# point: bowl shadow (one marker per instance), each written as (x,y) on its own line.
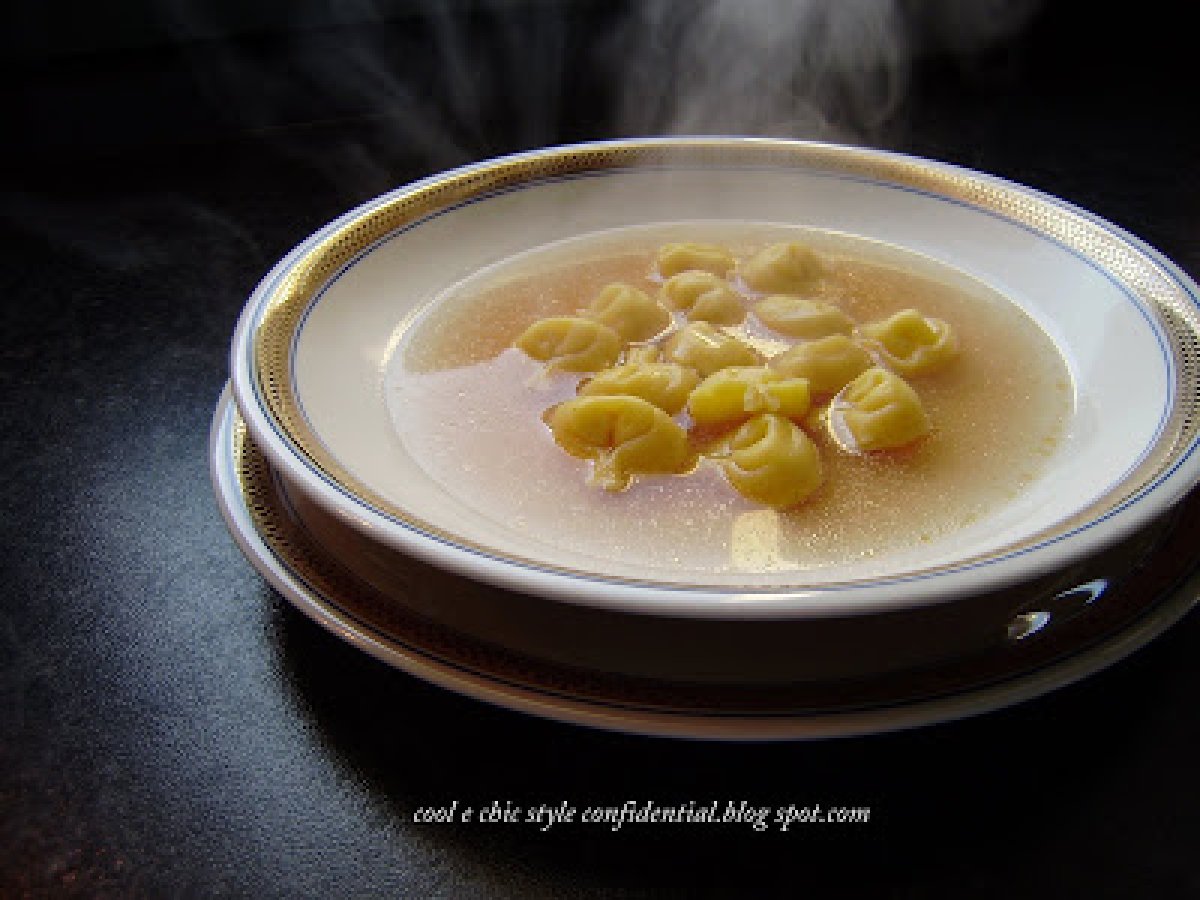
(946,802)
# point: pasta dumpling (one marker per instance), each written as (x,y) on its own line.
(829,363)
(693,257)
(878,410)
(910,343)
(571,344)
(630,312)
(669,374)
(707,349)
(666,385)
(704,297)
(731,395)
(802,317)
(623,436)
(787,268)
(772,461)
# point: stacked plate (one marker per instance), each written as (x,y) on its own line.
(375,521)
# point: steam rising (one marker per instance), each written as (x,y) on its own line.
(429,84)
(490,76)
(441,85)
(799,68)
(835,69)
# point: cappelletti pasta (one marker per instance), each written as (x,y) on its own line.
(693,257)
(571,344)
(708,349)
(628,311)
(734,394)
(802,317)
(880,411)
(654,368)
(911,343)
(704,297)
(785,268)
(623,436)
(829,363)
(666,385)
(772,461)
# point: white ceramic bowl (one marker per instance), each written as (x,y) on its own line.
(311,348)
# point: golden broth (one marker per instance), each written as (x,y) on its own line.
(468,407)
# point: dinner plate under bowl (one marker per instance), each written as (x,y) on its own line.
(1057,633)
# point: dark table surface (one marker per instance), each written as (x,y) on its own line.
(170,726)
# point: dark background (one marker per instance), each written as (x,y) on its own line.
(169,726)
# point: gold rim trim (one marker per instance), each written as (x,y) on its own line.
(1136,272)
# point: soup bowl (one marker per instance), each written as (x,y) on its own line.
(314,345)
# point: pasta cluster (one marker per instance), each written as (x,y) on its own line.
(668,381)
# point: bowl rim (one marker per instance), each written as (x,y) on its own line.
(904,591)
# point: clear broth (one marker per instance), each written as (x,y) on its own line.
(468,408)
